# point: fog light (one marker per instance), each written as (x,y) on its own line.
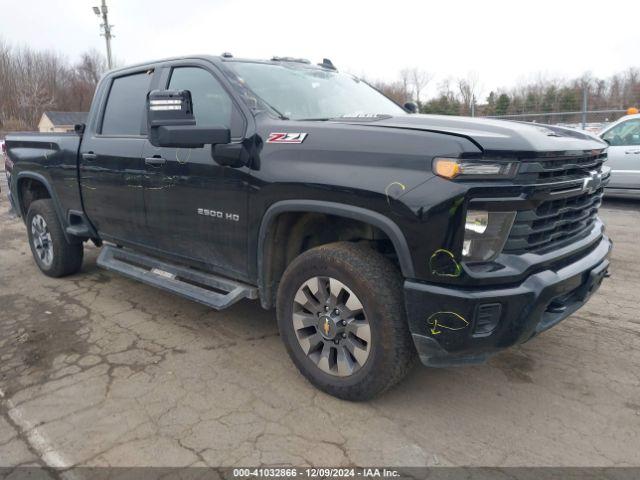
(477,221)
(485,234)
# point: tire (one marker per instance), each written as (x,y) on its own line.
(344,270)
(44,230)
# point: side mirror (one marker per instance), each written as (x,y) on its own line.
(170,122)
(411,107)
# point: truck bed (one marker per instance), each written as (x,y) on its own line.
(50,158)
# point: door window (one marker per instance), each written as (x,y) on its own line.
(625,134)
(212,106)
(126,105)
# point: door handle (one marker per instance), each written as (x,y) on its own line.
(632,152)
(155,161)
(89,156)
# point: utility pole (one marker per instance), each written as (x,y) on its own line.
(585,98)
(102,12)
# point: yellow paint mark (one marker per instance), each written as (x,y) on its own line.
(457,268)
(437,323)
(179,156)
(386,190)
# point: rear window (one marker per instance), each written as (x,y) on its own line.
(126,105)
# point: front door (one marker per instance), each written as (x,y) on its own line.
(624,154)
(111,166)
(197,209)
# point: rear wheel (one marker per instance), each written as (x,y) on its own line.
(54,255)
(341,316)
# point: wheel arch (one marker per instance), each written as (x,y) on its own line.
(363,215)
(43,182)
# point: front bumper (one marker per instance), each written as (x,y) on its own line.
(455,326)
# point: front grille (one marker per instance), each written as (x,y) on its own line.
(547,169)
(566,213)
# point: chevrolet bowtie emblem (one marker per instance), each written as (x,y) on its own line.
(326,327)
(593,182)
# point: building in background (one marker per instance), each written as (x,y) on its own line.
(60,121)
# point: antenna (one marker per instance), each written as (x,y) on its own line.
(326,63)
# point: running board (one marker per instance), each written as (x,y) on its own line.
(210,290)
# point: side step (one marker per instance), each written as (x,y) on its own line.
(210,290)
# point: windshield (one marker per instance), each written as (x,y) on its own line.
(301,93)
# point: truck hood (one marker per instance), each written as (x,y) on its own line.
(492,135)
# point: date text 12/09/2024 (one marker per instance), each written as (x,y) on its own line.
(293,472)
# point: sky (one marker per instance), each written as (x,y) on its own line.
(501,43)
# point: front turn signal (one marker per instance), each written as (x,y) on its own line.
(477,169)
(447,168)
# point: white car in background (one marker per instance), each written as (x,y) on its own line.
(623,137)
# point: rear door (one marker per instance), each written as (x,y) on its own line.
(196,209)
(111,164)
(624,154)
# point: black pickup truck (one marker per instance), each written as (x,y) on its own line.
(379,235)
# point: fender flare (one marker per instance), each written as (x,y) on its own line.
(388,226)
(54,197)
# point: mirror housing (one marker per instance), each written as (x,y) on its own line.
(411,107)
(170,122)
(169,107)
(187,136)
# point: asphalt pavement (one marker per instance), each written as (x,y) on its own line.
(99,370)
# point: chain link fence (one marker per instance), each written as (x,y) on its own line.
(591,120)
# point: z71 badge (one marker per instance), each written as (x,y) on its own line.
(286,137)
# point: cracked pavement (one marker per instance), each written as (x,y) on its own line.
(98,370)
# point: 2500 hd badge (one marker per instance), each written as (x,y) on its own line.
(234,217)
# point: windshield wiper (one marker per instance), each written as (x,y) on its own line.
(276,111)
(321,119)
(280,115)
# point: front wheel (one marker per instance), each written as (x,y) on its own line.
(54,255)
(341,316)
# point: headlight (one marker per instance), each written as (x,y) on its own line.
(485,233)
(451,168)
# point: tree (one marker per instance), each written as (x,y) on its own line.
(467,88)
(531,103)
(395,91)
(550,100)
(446,103)
(569,100)
(33,81)
(84,79)
(405,81)
(419,80)
(490,107)
(502,104)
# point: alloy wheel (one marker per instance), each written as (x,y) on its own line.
(41,238)
(331,326)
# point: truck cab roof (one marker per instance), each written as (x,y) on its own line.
(326,64)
